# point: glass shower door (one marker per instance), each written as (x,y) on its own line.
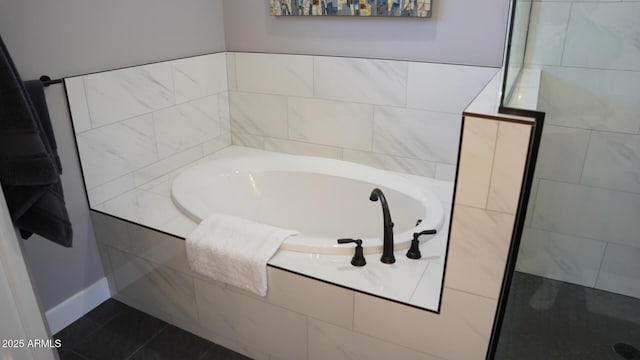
(576,290)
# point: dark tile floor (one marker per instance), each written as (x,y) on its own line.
(115,331)
(547,319)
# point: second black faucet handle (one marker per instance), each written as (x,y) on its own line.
(414,250)
(424,232)
(358,257)
(347,241)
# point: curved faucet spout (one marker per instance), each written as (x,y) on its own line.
(387,249)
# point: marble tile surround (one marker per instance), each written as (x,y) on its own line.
(138,123)
(302,318)
(153,276)
(396,115)
(588,54)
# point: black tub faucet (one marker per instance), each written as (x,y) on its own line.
(387,248)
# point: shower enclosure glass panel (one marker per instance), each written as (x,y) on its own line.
(576,292)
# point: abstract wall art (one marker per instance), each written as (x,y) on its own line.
(366,8)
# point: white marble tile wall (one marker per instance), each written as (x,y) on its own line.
(589,162)
(136,124)
(302,318)
(397,115)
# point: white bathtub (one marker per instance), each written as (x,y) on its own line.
(323,199)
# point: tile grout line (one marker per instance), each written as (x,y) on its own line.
(493,160)
(583,237)
(589,186)
(327,99)
(148,341)
(566,33)
(584,162)
(604,253)
(189,101)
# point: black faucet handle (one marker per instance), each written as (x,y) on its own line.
(358,257)
(424,232)
(348,241)
(414,250)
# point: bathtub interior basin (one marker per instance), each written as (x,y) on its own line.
(323,199)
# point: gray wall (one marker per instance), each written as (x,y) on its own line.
(459,32)
(71,37)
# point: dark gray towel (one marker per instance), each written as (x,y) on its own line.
(29,165)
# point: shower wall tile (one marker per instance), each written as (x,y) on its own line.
(533,195)
(560,257)
(258,114)
(251,321)
(614,26)
(392,163)
(379,82)
(186,125)
(122,94)
(113,188)
(476,161)
(591,99)
(156,287)
(302,148)
(463,316)
(508,167)
(613,162)
(480,240)
(584,211)
(111,151)
(78,103)
(445,88)
(562,153)
(329,342)
(620,272)
(416,134)
(332,123)
(548,27)
(275,74)
(199,76)
(316,299)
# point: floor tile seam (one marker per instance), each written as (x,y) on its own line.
(84,338)
(149,340)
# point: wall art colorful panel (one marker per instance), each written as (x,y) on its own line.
(394,8)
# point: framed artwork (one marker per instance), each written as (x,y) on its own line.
(367,8)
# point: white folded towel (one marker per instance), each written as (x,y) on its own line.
(234,250)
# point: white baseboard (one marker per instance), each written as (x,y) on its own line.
(75,307)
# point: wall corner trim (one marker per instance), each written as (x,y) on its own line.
(73,308)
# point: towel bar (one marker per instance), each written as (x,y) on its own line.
(46,80)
